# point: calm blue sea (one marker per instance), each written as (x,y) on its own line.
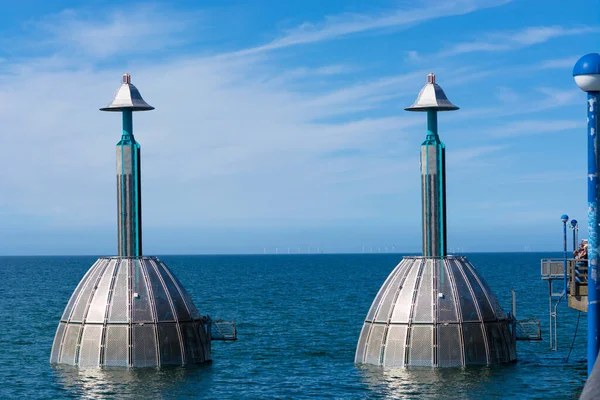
(298,316)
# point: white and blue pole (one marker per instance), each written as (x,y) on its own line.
(587,76)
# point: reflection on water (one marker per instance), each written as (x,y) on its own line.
(154,383)
(430,383)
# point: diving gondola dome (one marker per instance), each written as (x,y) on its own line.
(131,312)
(436,312)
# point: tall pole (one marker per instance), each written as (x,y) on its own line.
(587,76)
(593,261)
(564,218)
(432,99)
(128,99)
(129,202)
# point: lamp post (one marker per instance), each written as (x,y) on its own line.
(565,218)
(575,229)
(587,76)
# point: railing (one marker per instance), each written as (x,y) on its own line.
(223,330)
(528,329)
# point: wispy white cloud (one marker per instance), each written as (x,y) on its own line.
(535,127)
(125,30)
(347,24)
(505,41)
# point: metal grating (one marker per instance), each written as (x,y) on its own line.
(452,318)
(445,295)
(116,349)
(144,346)
(193,350)
(377,301)
(97,310)
(164,311)
(487,313)
(498,350)
(395,346)
(404,300)
(84,297)
(195,314)
(373,355)
(69,347)
(178,303)
(75,294)
(120,299)
(423,311)
(475,352)
(126,287)
(383,314)
(359,357)
(57,342)
(449,346)
(141,301)
(89,353)
(421,346)
(467,304)
(170,349)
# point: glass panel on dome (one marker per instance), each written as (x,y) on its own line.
(89,353)
(144,346)
(424,306)
(374,345)
(119,304)
(445,295)
(362,340)
(163,306)
(387,301)
(56,344)
(475,352)
(467,305)
(484,305)
(116,349)
(170,348)
(421,346)
(384,287)
(182,312)
(493,299)
(498,348)
(186,296)
(507,333)
(80,286)
(141,301)
(193,350)
(395,346)
(69,348)
(97,308)
(405,298)
(86,293)
(449,346)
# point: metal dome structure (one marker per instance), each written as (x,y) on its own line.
(435,310)
(131,312)
(435,313)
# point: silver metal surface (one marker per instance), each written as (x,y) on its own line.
(131,312)
(127,97)
(437,313)
(432,97)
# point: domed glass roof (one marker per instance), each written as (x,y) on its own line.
(438,313)
(131,312)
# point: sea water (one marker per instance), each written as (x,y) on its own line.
(298,320)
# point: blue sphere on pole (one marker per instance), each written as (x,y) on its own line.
(573,223)
(586,73)
(564,218)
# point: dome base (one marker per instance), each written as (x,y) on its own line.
(131,312)
(435,312)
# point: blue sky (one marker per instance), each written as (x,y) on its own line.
(281,124)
